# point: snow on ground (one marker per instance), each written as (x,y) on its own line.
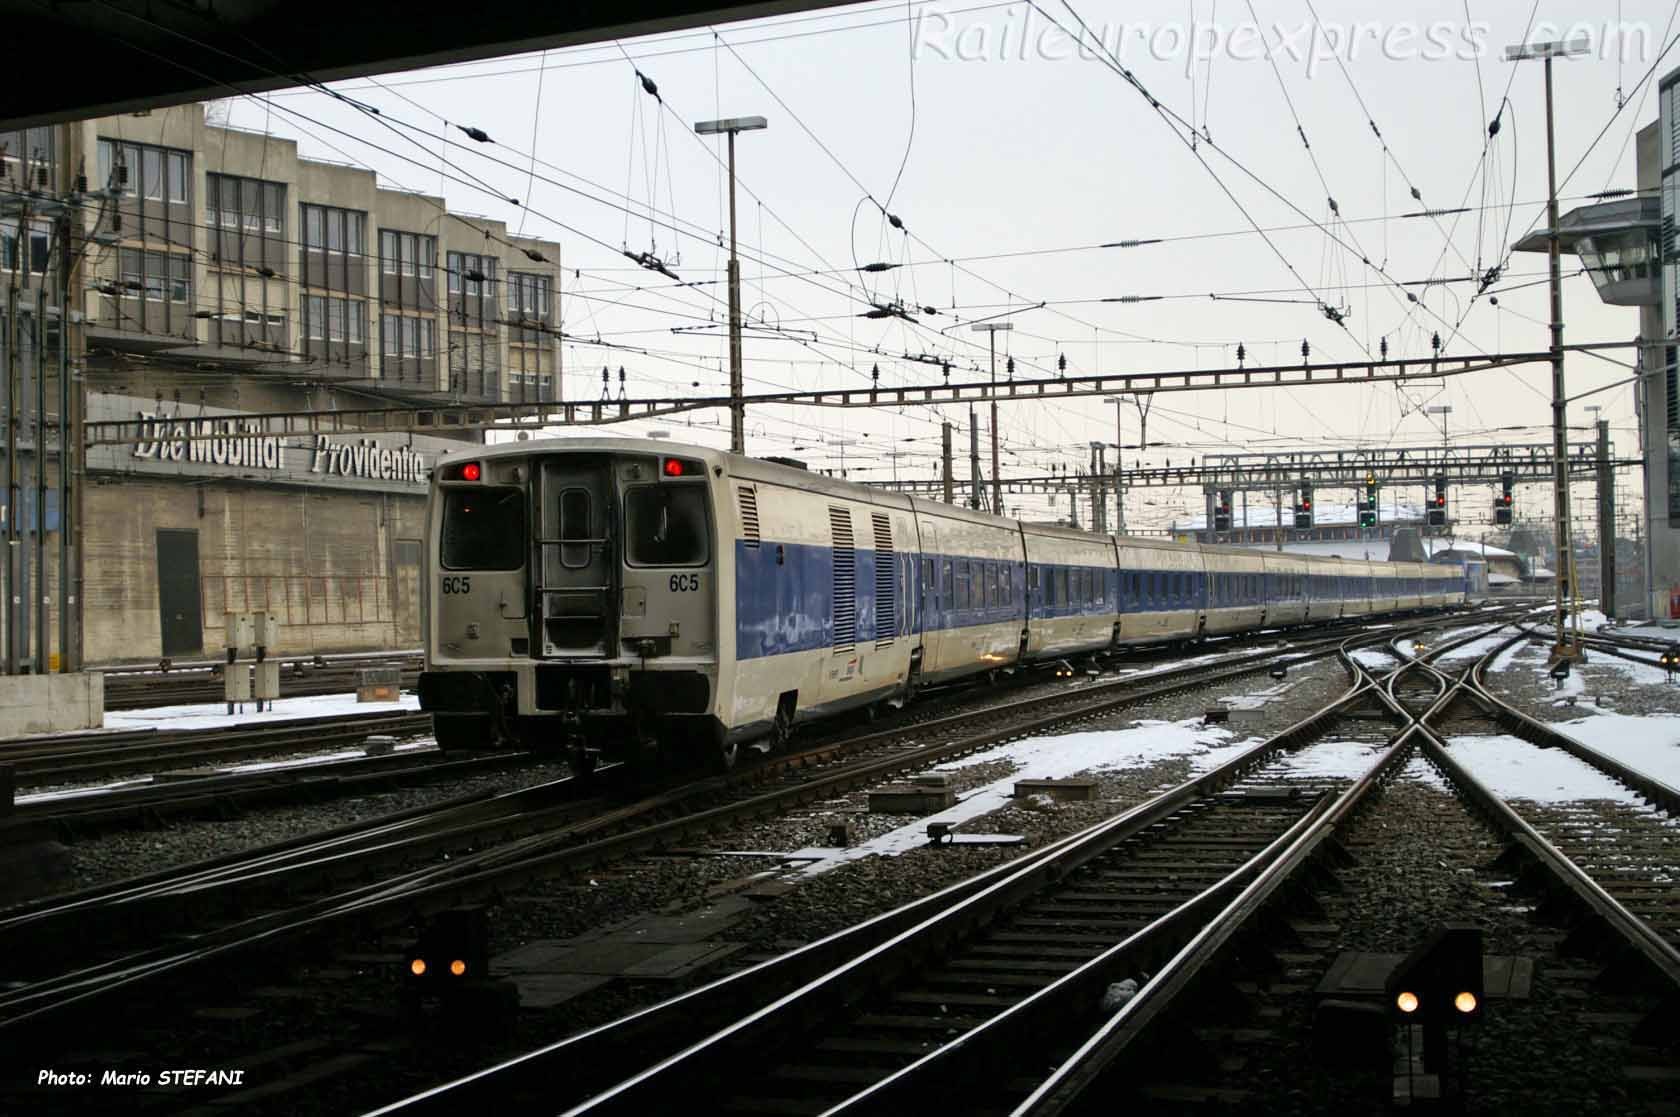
(214,715)
(1515,769)
(1254,701)
(1649,744)
(1371,657)
(1420,770)
(1503,661)
(1654,631)
(1329,760)
(1476,648)
(1043,758)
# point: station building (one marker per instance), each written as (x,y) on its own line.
(228,278)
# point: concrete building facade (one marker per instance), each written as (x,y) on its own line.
(225,276)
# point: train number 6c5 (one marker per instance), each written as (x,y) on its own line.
(462,584)
(685,583)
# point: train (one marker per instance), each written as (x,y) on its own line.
(621,598)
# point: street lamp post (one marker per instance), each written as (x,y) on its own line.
(1560,453)
(991,329)
(737,408)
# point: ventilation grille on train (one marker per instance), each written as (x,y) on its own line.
(749,515)
(886,612)
(845,579)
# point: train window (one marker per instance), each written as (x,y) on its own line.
(483,529)
(1008,586)
(949,597)
(965,599)
(1062,586)
(665,525)
(992,584)
(575,535)
(929,587)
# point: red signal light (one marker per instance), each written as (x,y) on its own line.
(471,472)
(1306,504)
(673,467)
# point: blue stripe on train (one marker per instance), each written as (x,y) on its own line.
(784,594)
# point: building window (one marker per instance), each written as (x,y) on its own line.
(157,275)
(529,294)
(326,318)
(245,203)
(151,177)
(155,173)
(388,334)
(39,251)
(406,253)
(337,231)
(177,177)
(463,266)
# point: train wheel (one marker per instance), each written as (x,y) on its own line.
(781,730)
(583,762)
(727,755)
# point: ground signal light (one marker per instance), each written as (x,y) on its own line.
(1304,508)
(1502,502)
(456,942)
(1368,506)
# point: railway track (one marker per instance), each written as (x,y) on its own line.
(920,1003)
(190,684)
(962,996)
(84,757)
(1619,866)
(300,892)
(82,812)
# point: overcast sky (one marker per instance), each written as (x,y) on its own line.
(1013,143)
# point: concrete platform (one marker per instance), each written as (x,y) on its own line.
(34,704)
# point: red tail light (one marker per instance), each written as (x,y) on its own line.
(471,471)
(673,467)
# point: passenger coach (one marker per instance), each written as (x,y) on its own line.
(622,597)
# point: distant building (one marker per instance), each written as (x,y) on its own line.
(230,276)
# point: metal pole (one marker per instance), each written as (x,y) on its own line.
(65,599)
(1560,451)
(945,462)
(11,478)
(1277,506)
(1119,467)
(39,586)
(1606,524)
(737,409)
(997,477)
(973,461)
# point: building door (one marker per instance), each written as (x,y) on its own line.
(179,602)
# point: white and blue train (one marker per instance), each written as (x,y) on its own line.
(610,595)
